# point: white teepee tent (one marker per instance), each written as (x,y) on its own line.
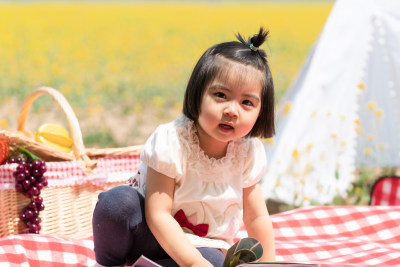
(344,108)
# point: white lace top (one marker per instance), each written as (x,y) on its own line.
(209,191)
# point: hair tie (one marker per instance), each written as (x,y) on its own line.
(253,48)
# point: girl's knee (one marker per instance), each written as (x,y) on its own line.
(119,203)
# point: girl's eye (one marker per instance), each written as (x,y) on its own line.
(220,95)
(248,103)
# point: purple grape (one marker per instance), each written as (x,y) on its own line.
(39,185)
(20,177)
(40,207)
(42,169)
(18,160)
(32,179)
(44,182)
(35,214)
(22,217)
(11,160)
(36,172)
(35,220)
(28,214)
(33,228)
(38,200)
(26,184)
(34,191)
(32,205)
(36,164)
(29,166)
(20,168)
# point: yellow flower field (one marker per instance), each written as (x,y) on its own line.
(125,65)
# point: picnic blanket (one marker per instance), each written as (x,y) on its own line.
(326,235)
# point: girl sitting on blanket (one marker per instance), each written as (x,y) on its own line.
(201,170)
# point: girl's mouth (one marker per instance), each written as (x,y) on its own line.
(225,127)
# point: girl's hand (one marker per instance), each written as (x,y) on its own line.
(257,221)
(167,231)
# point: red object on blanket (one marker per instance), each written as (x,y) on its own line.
(326,235)
(386,191)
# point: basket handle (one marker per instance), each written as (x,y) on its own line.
(73,124)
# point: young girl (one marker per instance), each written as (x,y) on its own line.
(201,170)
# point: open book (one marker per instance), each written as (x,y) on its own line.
(245,252)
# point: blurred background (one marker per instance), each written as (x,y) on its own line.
(123,66)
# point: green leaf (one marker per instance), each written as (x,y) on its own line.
(28,154)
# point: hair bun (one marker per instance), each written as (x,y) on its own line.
(258,39)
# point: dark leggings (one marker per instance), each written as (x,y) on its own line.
(121,234)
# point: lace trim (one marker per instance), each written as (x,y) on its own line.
(235,154)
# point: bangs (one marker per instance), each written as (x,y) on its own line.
(236,72)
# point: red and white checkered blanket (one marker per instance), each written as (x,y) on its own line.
(329,236)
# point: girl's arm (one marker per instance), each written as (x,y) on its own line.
(257,221)
(158,205)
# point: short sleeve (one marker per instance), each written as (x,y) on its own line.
(255,164)
(162,151)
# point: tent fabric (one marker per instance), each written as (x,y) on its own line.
(343,109)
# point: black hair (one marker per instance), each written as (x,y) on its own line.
(243,52)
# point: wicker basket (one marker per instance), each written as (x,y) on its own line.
(68,208)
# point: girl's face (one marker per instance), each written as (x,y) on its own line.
(230,106)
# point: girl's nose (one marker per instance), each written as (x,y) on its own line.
(231,110)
